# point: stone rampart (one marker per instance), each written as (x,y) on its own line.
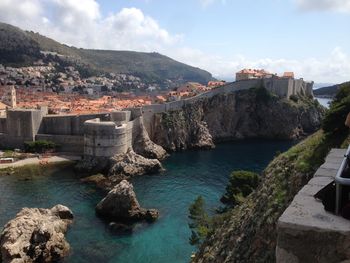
(306,231)
(67,143)
(3,128)
(105,138)
(68,124)
(283,88)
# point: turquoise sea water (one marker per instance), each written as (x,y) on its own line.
(187,175)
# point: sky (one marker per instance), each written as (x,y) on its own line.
(309,37)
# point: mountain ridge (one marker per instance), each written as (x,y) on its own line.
(23,48)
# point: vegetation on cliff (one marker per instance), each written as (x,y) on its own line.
(248,233)
(241,184)
(200,221)
(253,113)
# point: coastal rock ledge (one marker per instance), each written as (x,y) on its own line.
(121,205)
(120,167)
(36,235)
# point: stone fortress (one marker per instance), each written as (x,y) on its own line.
(107,134)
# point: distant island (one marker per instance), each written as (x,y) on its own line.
(329,91)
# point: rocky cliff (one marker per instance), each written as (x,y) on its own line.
(248,233)
(253,113)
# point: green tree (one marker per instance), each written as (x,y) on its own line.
(200,221)
(240,185)
(333,123)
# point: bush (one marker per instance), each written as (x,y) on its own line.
(200,221)
(40,146)
(334,121)
(241,184)
(262,94)
(294,98)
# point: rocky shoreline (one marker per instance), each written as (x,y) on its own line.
(36,235)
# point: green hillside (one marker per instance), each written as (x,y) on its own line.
(18,47)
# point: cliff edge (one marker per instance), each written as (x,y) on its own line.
(248,233)
(253,113)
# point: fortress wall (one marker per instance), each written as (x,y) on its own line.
(135,112)
(67,143)
(104,139)
(280,87)
(21,126)
(68,124)
(129,133)
(3,128)
(120,117)
(148,115)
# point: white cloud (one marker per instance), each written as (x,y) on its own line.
(324,5)
(333,69)
(24,10)
(80,23)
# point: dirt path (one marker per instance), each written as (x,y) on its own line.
(42,160)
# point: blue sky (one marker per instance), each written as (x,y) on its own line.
(310,37)
(273,28)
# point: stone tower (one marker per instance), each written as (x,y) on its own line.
(10,97)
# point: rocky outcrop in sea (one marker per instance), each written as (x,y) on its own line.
(120,205)
(253,113)
(120,167)
(36,235)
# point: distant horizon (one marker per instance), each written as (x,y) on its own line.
(220,36)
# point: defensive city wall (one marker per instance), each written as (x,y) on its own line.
(283,88)
(106,134)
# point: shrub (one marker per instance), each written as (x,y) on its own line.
(39,146)
(334,121)
(200,221)
(241,184)
(262,94)
(294,98)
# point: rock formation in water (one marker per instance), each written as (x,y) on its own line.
(121,205)
(125,166)
(120,167)
(253,113)
(36,235)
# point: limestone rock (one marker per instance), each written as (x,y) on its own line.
(121,205)
(36,235)
(232,116)
(143,145)
(99,180)
(92,165)
(125,166)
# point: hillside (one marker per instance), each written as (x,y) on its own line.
(18,48)
(329,91)
(247,233)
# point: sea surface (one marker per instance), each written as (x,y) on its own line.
(188,174)
(324,101)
